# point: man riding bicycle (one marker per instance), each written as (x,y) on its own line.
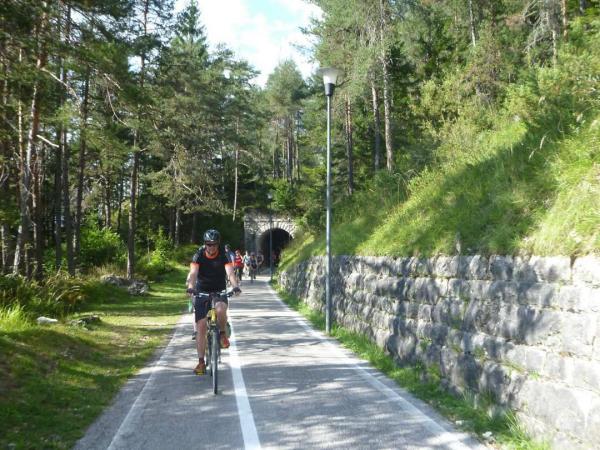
(207,274)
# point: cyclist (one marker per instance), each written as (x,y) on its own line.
(260,259)
(238,264)
(229,253)
(207,274)
(252,266)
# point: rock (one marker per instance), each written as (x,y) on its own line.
(114,280)
(85,321)
(138,287)
(487,436)
(46,320)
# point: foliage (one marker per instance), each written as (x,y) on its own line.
(99,246)
(56,380)
(56,296)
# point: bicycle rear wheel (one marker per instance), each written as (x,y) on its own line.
(214,363)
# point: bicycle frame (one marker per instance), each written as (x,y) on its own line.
(213,346)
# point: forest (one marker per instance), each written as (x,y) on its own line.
(123,135)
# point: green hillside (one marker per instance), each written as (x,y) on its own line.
(520,179)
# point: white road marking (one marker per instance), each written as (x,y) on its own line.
(443,436)
(126,428)
(251,441)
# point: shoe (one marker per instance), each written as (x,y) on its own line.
(200,368)
(224,340)
(194,335)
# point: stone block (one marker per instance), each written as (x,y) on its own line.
(425,313)
(586,270)
(422,267)
(466,373)
(478,290)
(505,291)
(536,325)
(501,267)
(578,298)
(578,333)
(581,373)
(428,290)
(446,266)
(474,267)
(555,404)
(537,294)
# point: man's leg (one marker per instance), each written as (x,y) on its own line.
(221,308)
(201,346)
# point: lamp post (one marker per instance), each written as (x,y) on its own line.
(270,197)
(330,76)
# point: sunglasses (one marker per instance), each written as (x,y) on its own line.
(208,244)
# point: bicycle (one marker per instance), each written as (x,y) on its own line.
(252,273)
(213,341)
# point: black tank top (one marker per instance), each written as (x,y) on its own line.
(211,271)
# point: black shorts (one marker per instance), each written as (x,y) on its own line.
(203,304)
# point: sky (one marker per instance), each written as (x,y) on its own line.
(263,32)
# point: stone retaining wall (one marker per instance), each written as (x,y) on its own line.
(525,330)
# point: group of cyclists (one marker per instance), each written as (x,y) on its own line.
(211,269)
(250,263)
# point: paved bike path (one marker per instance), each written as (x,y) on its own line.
(302,390)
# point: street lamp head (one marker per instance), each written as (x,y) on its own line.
(330,76)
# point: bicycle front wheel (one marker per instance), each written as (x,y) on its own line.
(215,360)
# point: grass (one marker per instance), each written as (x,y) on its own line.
(56,379)
(476,415)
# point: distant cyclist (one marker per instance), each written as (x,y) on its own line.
(260,259)
(252,266)
(238,264)
(207,274)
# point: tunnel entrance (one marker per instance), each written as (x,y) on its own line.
(281,239)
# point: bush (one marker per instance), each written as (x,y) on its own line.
(57,295)
(99,246)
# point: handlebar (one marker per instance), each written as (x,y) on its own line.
(230,293)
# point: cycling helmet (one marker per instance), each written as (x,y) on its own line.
(212,236)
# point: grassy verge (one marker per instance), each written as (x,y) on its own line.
(474,415)
(56,379)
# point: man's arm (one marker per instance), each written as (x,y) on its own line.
(192,276)
(232,278)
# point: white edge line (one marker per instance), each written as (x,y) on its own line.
(126,425)
(427,422)
(249,433)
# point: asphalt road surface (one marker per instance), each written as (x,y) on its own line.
(282,385)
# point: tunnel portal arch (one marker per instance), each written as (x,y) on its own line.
(257,232)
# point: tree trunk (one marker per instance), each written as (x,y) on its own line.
(132,200)
(194,233)
(23,230)
(472,24)
(275,147)
(565,18)
(81,168)
(387,108)
(177,238)
(68,220)
(26,163)
(58,205)
(136,163)
(5,171)
(235,180)
(349,145)
(582,6)
(377,127)
(38,212)
(289,148)
(5,238)
(121,195)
